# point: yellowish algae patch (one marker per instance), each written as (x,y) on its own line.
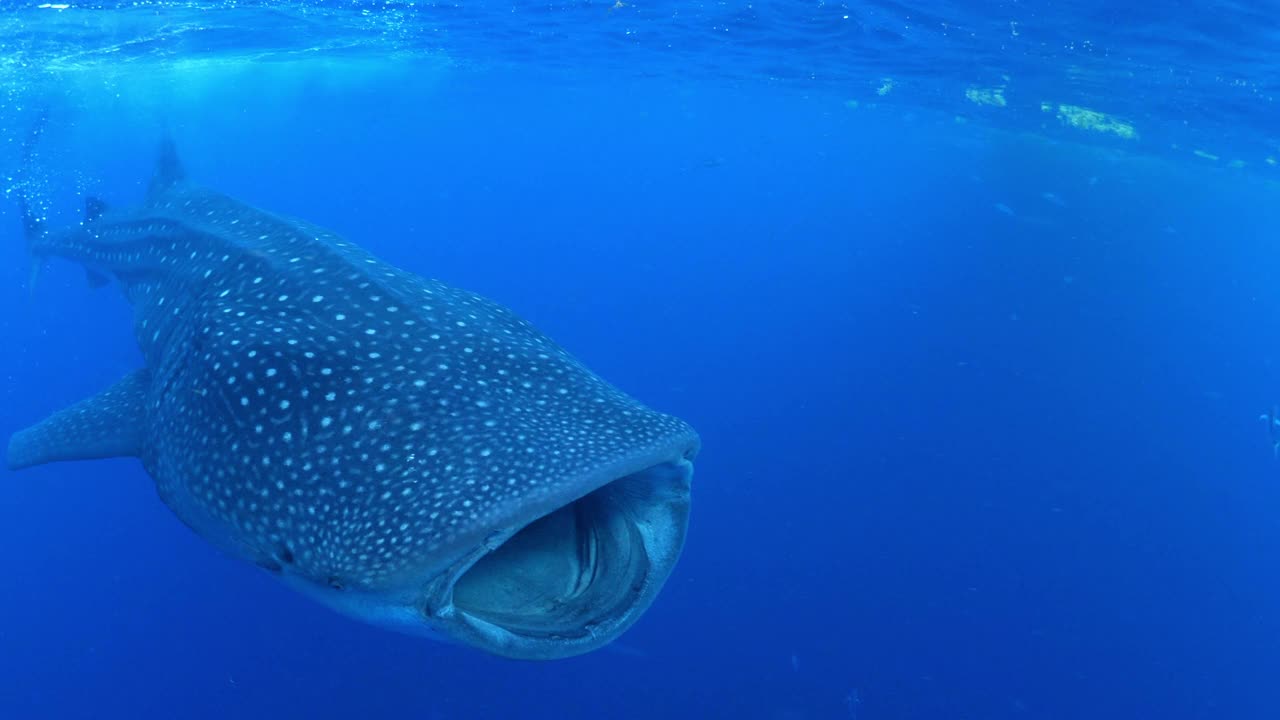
(1205,155)
(986,96)
(1086,119)
(885,86)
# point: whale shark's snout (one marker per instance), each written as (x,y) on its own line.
(549,579)
(568,581)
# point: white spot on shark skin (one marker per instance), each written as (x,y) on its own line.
(345,423)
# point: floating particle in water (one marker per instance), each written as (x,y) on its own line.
(1272,419)
(852,701)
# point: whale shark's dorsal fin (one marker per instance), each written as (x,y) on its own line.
(109,424)
(168,170)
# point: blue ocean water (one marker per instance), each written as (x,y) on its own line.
(972,307)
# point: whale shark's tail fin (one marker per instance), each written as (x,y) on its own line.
(168,170)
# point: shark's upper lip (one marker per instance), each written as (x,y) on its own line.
(566,580)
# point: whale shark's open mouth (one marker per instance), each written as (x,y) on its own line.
(577,577)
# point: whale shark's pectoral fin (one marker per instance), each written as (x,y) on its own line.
(109,424)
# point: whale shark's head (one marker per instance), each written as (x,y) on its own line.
(409,453)
(572,579)
(551,579)
(459,475)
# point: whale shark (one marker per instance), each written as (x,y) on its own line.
(405,452)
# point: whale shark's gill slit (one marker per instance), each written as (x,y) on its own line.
(182,365)
(170,378)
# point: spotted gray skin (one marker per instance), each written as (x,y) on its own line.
(409,453)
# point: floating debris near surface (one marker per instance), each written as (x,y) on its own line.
(986,96)
(1087,119)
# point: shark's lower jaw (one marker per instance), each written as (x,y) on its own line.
(574,579)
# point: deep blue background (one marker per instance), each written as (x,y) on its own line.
(958,463)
